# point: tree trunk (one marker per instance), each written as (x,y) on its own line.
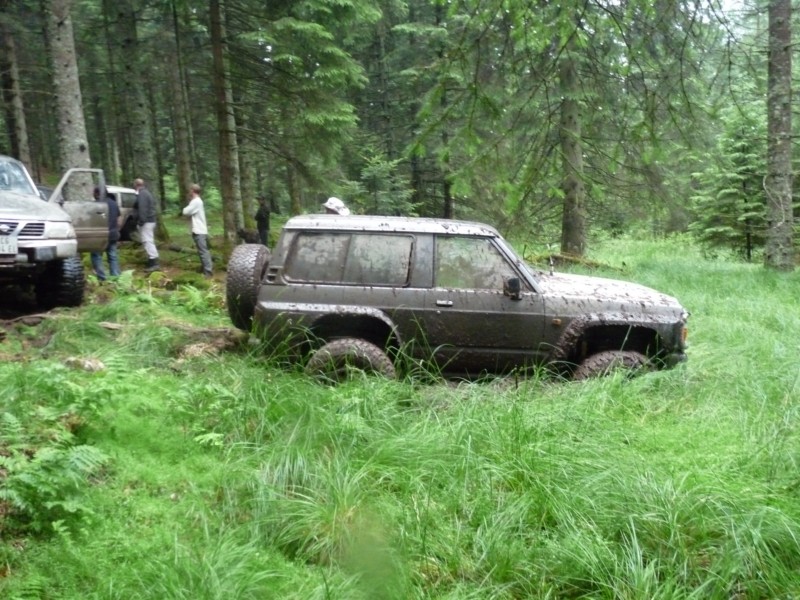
(385,90)
(180,112)
(138,114)
(778,253)
(448,209)
(226,121)
(247,169)
(119,167)
(248,179)
(73,145)
(573,224)
(152,122)
(295,204)
(18,129)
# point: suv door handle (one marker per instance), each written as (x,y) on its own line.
(444,303)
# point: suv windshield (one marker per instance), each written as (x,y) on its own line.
(14,179)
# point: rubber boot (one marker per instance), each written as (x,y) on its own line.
(152,265)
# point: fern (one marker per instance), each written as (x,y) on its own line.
(42,472)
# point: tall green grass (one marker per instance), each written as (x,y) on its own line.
(229,477)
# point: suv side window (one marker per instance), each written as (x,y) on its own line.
(354,258)
(470,263)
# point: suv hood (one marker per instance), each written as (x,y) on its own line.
(611,293)
(14,205)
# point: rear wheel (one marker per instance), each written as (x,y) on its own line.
(246,267)
(609,361)
(62,283)
(334,361)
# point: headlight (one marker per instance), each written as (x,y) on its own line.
(59,231)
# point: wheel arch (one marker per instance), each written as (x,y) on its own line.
(371,325)
(587,336)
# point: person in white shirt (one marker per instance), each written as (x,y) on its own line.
(197,212)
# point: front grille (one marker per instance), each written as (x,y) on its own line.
(29,230)
(32,230)
(10,226)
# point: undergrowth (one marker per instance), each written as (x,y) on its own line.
(224,473)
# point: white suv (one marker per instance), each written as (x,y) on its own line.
(40,240)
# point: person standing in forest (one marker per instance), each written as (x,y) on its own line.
(146,214)
(262,220)
(113,238)
(196,211)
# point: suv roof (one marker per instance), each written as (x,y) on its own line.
(118,188)
(389,224)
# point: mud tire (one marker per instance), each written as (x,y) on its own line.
(246,268)
(333,361)
(609,361)
(62,283)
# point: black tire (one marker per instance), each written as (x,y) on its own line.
(605,363)
(246,268)
(333,361)
(62,283)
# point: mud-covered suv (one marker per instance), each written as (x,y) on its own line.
(365,290)
(40,239)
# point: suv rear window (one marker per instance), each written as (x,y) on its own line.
(350,258)
(127,200)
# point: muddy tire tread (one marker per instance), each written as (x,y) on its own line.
(330,361)
(603,363)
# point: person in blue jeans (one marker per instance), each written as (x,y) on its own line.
(113,238)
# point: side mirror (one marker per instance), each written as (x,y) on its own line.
(512,288)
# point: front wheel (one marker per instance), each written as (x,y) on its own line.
(62,283)
(609,361)
(333,361)
(246,267)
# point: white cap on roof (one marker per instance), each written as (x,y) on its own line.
(336,206)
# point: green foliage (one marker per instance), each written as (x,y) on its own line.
(380,188)
(235,477)
(730,202)
(43,469)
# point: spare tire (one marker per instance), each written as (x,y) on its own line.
(246,268)
(62,283)
(333,361)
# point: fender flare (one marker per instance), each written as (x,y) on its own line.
(574,331)
(347,310)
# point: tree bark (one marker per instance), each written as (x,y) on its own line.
(573,224)
(138,114)
(226,121)
(73,145)
(119,168)
(778,252)
(18,129)
(295,204)
(448,205)
(180,111)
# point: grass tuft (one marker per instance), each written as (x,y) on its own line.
(232,475)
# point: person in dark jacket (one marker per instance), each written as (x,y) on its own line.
(113,238)
(262,220)
(147,212)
